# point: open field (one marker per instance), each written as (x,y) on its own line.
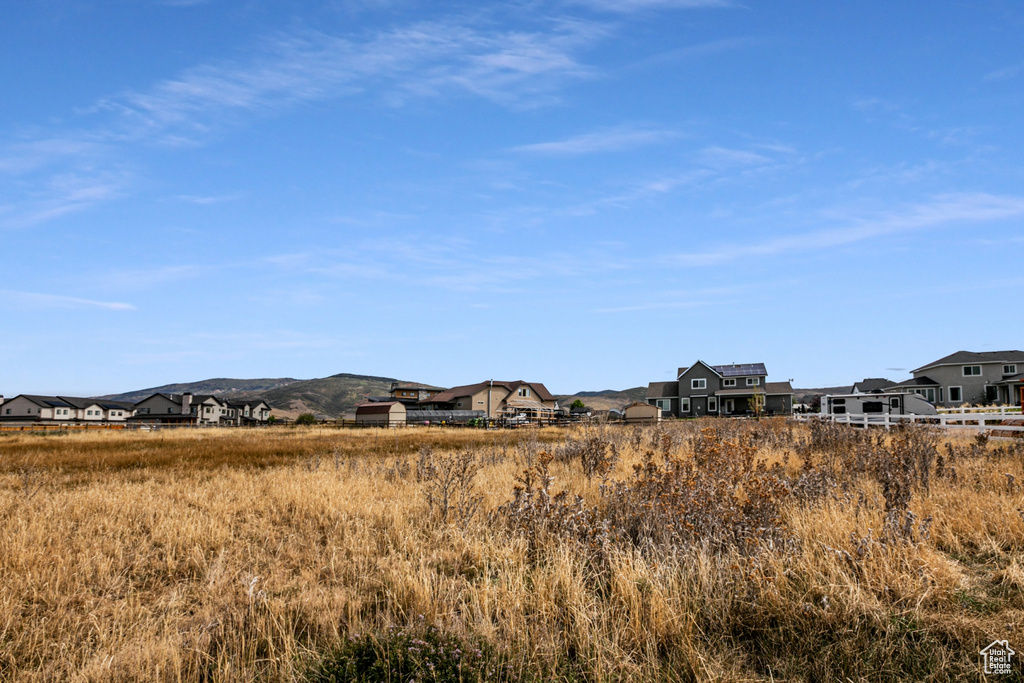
(702,550)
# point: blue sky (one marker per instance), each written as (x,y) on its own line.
(586,193)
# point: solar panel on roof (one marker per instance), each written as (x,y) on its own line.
(741,369)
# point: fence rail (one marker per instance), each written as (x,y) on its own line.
(988,410)
(992,422)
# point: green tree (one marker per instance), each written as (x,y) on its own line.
(305,419)
(577,404)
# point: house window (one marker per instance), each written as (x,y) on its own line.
(955,394)
(972,370)
(698,383)
(1009,369)
(524,391)
(8,412)
(712,405)
(684,405)
(753,381)
(663,404)
(728,382)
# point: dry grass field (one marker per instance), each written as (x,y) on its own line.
(707,550)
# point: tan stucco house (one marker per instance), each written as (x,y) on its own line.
(498,400)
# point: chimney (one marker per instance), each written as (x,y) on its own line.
(186,403)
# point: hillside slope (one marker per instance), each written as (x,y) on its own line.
(605,400)
(217,387)
(331,396)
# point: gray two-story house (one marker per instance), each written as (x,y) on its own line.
(969,377)
(737,389)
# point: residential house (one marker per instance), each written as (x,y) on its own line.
(247,413)
(410,393)
(34,408)
(498,400)
(181,408)
(974,377)
(736,389)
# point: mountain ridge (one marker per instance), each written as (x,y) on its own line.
(335,395)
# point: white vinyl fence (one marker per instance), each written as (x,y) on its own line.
(991,421)
(1000,410)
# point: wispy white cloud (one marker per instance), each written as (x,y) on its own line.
(710,164)
(611,140)
(625,6)
(427,59)
(24,157)
(695,51)
(207,200)
(1005,73)
(39,300)
(943,211)
(59,195)
(721,157)
(145,278)
(458,57)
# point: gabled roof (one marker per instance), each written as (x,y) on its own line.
(43,401)
(699,362)
(449,395)
(964,357)
(177,398)
(731,370)
(74,402)
(778,388)
(869,384)
(663,390)
(376,408)
(923,381)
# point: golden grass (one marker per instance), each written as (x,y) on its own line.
(247,555)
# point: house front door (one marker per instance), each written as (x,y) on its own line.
(730,406)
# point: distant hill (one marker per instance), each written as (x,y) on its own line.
(337,395)
(217,387)
(605,400)
(331,396)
